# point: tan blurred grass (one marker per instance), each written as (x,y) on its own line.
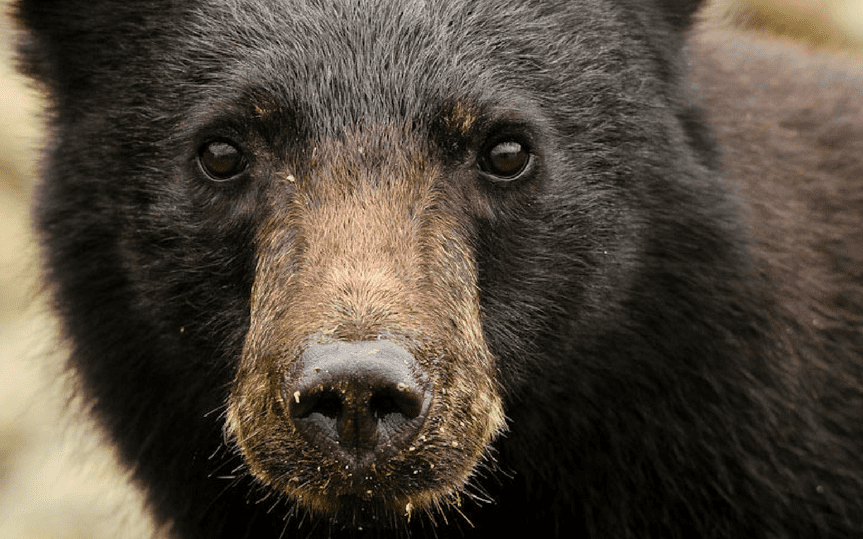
(835,24)
(57,481)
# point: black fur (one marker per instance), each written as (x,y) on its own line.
(676,361)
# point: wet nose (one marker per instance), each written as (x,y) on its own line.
(360,400)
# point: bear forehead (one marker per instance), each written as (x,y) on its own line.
(352,61)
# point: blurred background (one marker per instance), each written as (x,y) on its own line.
(57,479)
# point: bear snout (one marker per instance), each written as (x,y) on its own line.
(362,401)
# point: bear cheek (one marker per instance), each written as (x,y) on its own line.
(340,325)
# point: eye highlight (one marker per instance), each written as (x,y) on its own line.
(222,160)
(505,160)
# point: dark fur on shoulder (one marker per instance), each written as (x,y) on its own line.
(652,328)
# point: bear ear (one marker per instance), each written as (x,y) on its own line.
(33,14)
(44,23)
(680,12)
(61,16)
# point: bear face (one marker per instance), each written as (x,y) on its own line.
(431,269)
(358,249)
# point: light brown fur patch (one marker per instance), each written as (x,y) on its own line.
(363,246)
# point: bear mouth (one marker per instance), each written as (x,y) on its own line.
(366,431)
(357,513)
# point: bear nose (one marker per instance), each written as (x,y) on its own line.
(361,400)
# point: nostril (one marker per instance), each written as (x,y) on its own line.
(318,412)
(394,410)
(399,400)
(360,400)
(325,403)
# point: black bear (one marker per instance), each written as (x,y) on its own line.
(456,268)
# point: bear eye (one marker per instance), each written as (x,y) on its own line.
(222,160)
(505,160)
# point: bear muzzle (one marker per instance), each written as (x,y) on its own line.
(361,401)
